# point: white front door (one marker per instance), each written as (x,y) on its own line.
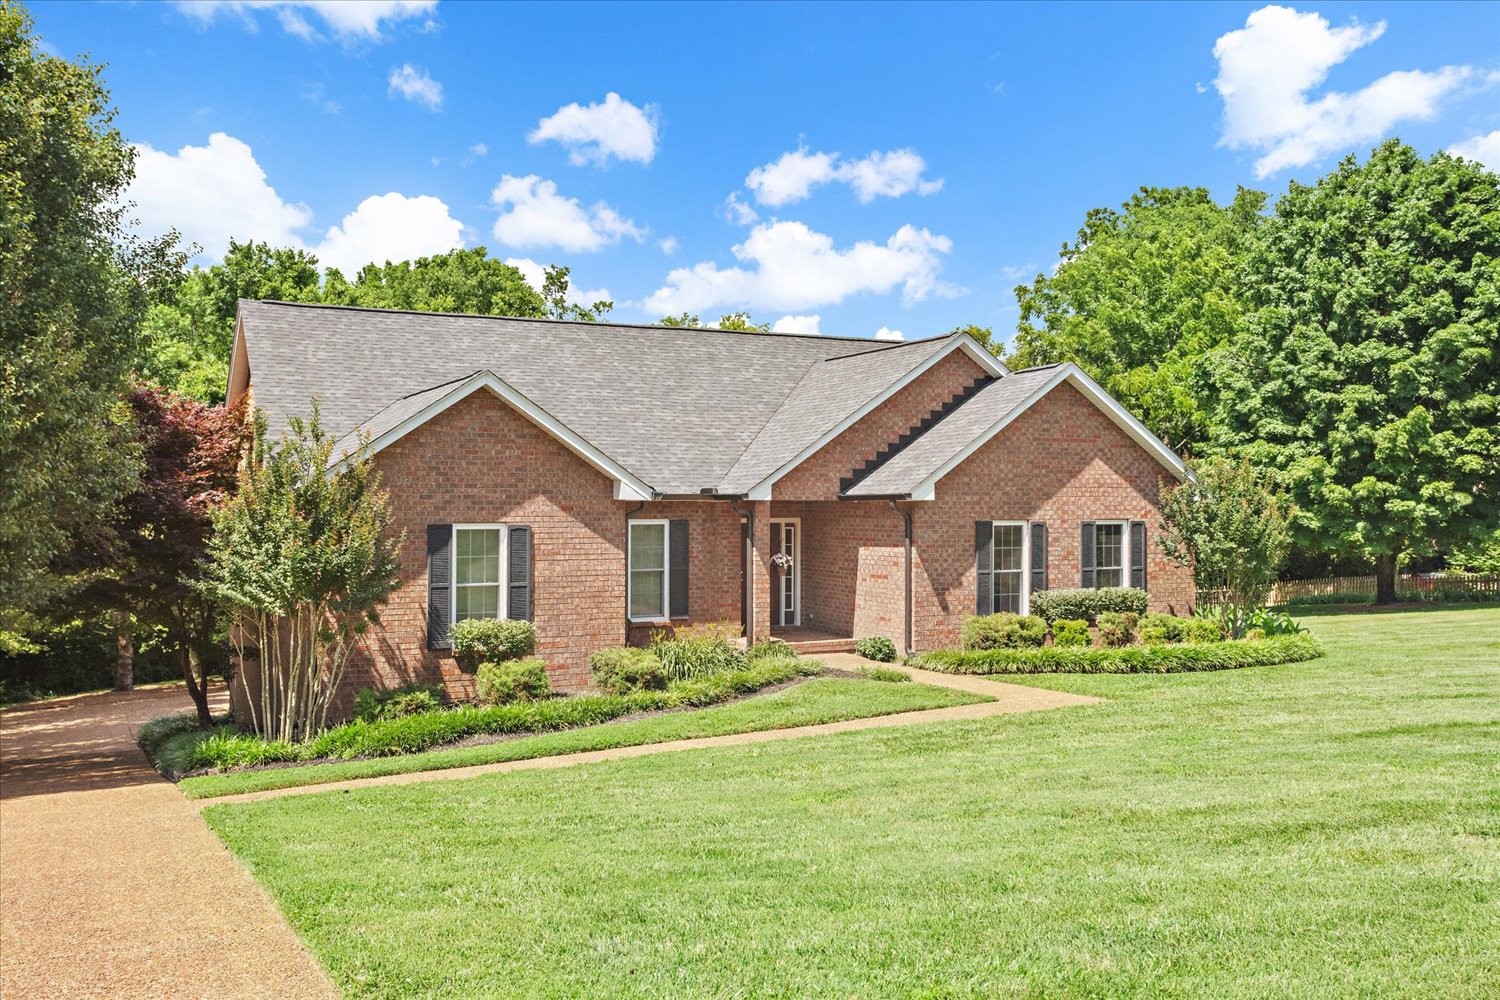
(786,573)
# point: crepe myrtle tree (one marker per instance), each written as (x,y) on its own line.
(301,558)
(1230,524)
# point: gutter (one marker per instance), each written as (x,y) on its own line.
(747,557)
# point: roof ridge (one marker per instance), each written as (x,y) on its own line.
(587,324)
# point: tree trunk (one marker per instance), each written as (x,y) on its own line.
(197,688)
(1385,579)
(124,651)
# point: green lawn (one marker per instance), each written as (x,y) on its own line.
(806,704)
(1318,829)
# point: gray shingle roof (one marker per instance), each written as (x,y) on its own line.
(927,454)
(682,409)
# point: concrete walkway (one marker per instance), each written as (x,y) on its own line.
(1009,699)
(110,883)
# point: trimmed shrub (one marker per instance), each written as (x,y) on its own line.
(1117,628)
(392,703)
(512,680)
(1157,630)
(886,674)
(876,647)
(697,651)
(1125,660)
(1077,602)
(623,671)
(1003,630)
(492,640)
(1070,632)
(1201,630)
(770,649)
(153,734)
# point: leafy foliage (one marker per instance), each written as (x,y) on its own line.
(477,640)
(302,556)
(372,704)
(73,283)
(558,305)
(505,681)
(1070,632)
(1003,630)
(1230,526)
(628,669)
(1059,659)
(876,647)
(1117,628)
(1081,602)
(1367,371)
(696,651)
(1140,299)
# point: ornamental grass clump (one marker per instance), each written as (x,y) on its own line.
(301,558)
(697,651)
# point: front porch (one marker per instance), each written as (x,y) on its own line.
(811,641)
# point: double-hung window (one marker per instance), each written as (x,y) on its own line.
(1111,553)
(1012,561)
(477,567)
(648,570)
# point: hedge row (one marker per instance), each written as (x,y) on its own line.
(179,751)
(1125,659)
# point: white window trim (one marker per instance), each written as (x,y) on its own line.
(502,602)
(796,565)
(1025,526)
(666,571)
(1124,551)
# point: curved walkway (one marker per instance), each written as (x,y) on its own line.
(1008,699)
(110,883)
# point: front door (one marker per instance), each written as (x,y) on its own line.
(786,573)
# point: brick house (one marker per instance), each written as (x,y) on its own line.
(606,480)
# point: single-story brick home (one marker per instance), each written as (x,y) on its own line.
(608,480)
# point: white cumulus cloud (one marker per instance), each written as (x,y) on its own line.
(390,227)
(536,275)
(886,333)
(792,177)
(349,20)
(415,85)
(738,212)
(535,215)
(667,245)
(595,133)
(1269,69)
(811,325)
(210,194)
(1483,149)
(788,266)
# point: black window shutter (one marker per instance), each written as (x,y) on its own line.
(984,561)
(1086,555)
(677,560)
(1038,556)
(439,586)
(518,604)
(1138,554)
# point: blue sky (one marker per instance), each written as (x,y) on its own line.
(892,167)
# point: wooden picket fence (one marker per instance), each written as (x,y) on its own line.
(1409,586)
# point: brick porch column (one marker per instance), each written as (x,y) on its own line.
(759,627)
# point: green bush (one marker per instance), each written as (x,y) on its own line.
(697,651)
(1126,659)
(1117,628)
(391,703)
(1003,630)
(770,649)
(1201,630)
(1070,632)
(1077,602)
(492,640)
(1157,630)
(712,688)
(1274,622)
(512,680)
(622,671)
(153,734)
(887,674)
(876,647)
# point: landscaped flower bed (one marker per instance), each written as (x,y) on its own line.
(1160,659)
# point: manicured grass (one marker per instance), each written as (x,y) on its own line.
(1320,829)
(806,704)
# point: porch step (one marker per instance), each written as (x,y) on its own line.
(813,647)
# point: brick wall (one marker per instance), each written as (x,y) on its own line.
(852,559)
(817,478)
(714,572)
(1061,462)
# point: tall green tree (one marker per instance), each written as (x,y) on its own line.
(558,306)
(1368,368)
(72,291)
(463,281)
(983,334)
(1140,297)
